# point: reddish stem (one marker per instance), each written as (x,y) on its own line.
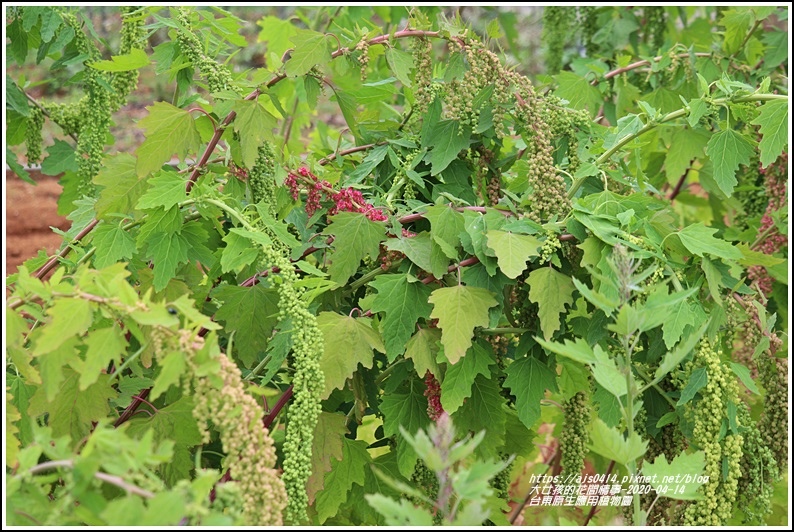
(594,507)
(282,401)
(452,268)
(44,270)
(134,405)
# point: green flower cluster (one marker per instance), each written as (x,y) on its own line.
(363,57)
(484,70)
(773,376)
(133,37)
(261,178)
(424,89)
(655,25)
(564,124)
(723,454)
(33,139)
(308,382)
(548,196)
(574,438)
(557,24)
(588,26)
(759,472)
(218,77)
(550,246)
(221,400)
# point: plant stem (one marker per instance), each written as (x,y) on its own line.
(641,63)
(639,519)
(667,118)
(504,330)
(127,362)
(271,416)
(236,215)
(104,477)
(594,507)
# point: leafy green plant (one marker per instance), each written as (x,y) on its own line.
(387,264)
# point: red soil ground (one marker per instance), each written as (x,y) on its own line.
(30,211)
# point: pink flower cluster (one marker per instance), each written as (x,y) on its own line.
(314,190)
(776,178)
(351,200)
(346,200)
(433,394)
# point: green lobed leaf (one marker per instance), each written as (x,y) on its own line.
(459,309)
(311,48)
(134,60)
(112,244)
(60,159)
(512,250)
(699,239)
(578,350)
(551,290)
(474,240)
(578,91)
(610,443)
(165,190)
(685,145)
(169,131)
(609,408)
(737,22)
(238,252)
(528,379)
(69,317)
(255,125)
(276,34)
(72,411)
(403,303)
(172,368)
(607,374)
(447,139)
(104,346)
(399,513)
(459,378)
(12,442)
(743,373)
(673,358)
(605,302)
(659,306)
(328,442)
(773,119)
(697,380)
(168,252)
(407,410)
(777,46)
(728,149)
(15,98)
(174,422)
(350,470)
(681,317)
(484,410)
(347,342)
(355,237)
(249,312)
(446,226)
(422,251)
(401,63)
(756,258)
(423,350)
(678,479)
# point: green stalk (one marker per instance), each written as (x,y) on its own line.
(639,518)
(667,118)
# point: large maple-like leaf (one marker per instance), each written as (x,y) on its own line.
(459,310)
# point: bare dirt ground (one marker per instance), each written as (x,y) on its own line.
(30,211)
